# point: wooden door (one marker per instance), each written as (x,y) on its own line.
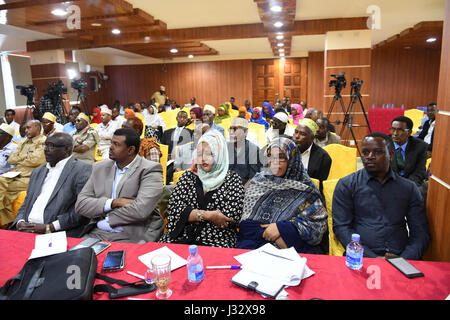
(265,81)
(293,78)
(274,79)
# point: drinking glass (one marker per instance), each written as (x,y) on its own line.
(161,275)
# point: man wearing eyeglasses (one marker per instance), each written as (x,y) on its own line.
(410,153)
(53,190)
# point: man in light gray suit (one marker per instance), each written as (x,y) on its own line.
(121,196)
(50,202)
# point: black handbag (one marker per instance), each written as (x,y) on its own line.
(65,276)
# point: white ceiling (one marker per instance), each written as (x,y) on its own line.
(396,16)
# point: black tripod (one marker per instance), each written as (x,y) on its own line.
(337,97)
(348,125)
(82,99)
(30,106)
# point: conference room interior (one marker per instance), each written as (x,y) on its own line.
(214,50)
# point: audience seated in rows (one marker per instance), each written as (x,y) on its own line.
(257,118)
(72,116)
(185,152)
(85,139)
(279,128)
(427,132)
(121,196)
(28,155)
(208,118)
(53,189)
(385,209)
(282,205)
(9,119)
(207,200)
(50,125)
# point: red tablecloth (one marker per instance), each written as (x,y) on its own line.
(332,279)
(380,119)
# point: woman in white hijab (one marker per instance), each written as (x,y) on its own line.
(154,124)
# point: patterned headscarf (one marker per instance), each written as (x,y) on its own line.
(216,176)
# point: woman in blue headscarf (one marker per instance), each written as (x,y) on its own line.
(256,118)
(207,201)
(282,205)
(267,111)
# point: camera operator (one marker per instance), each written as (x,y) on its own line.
(52,100)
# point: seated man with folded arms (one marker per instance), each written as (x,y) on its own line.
(121,196)
(86,139)
(28,156)
(386,210)
(50,202)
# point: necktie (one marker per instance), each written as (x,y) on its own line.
(400,160)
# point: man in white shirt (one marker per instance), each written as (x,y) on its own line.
(279,128)
(7,147)
(105,131)
(9,119)
(193,104)
(53,190)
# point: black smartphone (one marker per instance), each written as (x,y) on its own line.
(405,267)
(114,261)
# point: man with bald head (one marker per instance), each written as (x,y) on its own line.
(53,190)
(28,156)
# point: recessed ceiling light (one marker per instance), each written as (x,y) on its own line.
(147,39)
(278,24)
(280,44)
(282,59)
(276,8)
(115,31)
(279,37)
(59,12)
(96,24)
(190,56)
(173,50)
(280,50)
(432,39)
(281,54)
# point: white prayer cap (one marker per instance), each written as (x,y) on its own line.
(104,109)
(283,117)
(209,107)
(8,129)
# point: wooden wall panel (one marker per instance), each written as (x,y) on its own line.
(348,57)
(401,76)
(210,82)
(438,200)
(315,80)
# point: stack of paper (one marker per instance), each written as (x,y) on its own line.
(48,244)
(272,269)
(175,262)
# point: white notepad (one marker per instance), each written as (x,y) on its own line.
(48,244)
(175,263)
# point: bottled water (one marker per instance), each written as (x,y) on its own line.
(195,265)
(354,253)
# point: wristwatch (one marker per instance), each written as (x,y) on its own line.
(199,214)
(47,229)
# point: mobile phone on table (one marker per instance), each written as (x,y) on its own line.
(100,247)
(114,261)
(405,267)
(89,242)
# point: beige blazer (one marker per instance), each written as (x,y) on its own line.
(140,220)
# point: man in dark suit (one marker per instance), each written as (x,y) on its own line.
(316,161)
(410,153)
(51,195)
(427,133)
(177,136)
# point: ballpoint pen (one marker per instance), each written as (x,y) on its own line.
(223,267)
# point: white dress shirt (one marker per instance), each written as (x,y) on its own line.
(427,138)
(37,212)
(305,157)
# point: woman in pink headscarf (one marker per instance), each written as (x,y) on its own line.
(296,113)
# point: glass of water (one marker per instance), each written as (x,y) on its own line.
(161,275)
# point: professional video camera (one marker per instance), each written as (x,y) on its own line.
(79,84)
(356,84)
(339,83)
(29,92)
(56,89)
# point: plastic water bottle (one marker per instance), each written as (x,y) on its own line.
(195,265)
(354,253)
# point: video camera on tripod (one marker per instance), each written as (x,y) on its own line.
(56,89)
(79,84)
(356,85)
(29,92)
(339,83)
